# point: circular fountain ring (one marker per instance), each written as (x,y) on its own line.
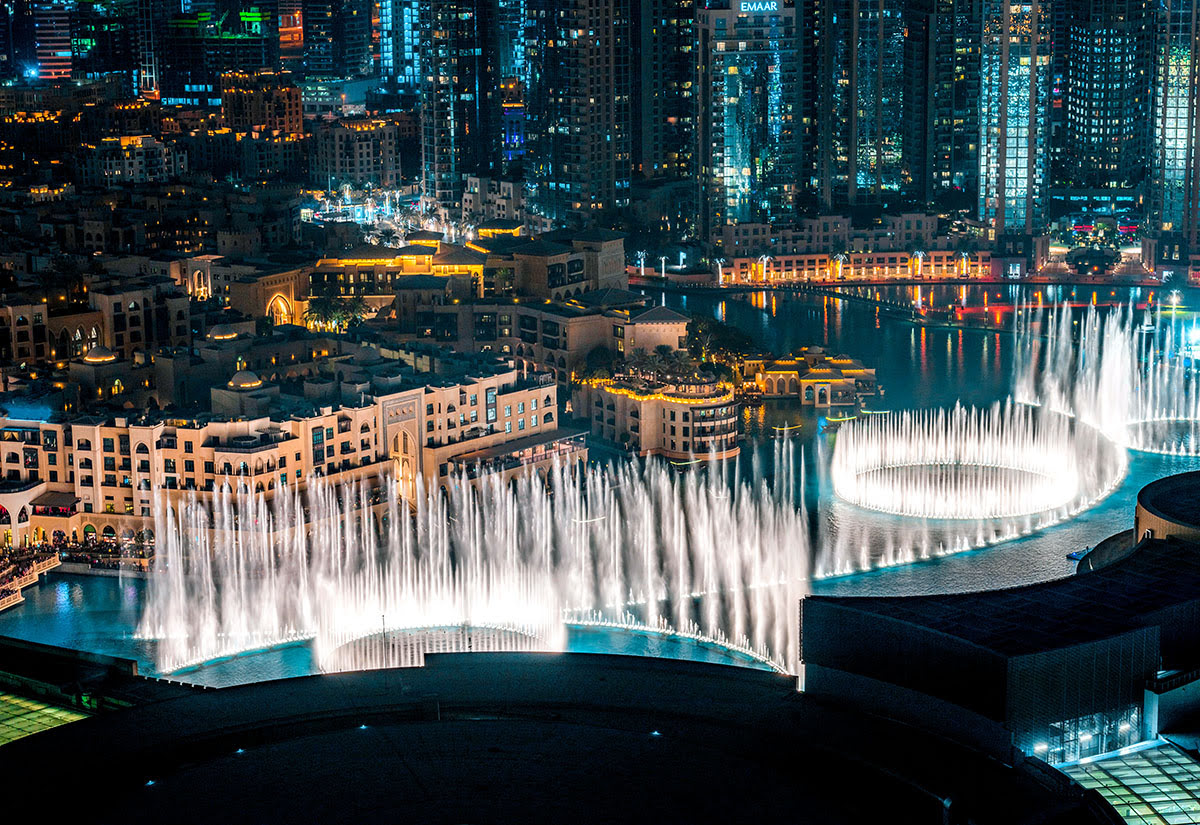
(1168,435)
(954,490)
(1008,462)
(408,647)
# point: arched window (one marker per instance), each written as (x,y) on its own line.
(5,518)
(22,516)
(142,449)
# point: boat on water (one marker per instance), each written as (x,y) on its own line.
(1076,555)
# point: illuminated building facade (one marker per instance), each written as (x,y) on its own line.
(747,149)
(577,100)
(1013,111)
(261,101)
(676,417)
(860,87)
(1175,191)
(360,152)
(52,30)
(399,44)
(460,98)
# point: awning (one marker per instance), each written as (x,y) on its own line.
(51,498)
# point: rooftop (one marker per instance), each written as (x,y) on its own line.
(1055,614)
(1175,498)
(529,737)
(1151,786)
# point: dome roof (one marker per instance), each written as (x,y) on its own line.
(222,332)
(99,355)
(244,380)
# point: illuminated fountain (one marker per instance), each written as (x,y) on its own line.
(374,580)
(1130,374)
(916,485)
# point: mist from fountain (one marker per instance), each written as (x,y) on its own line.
(696,555)
(1127,373)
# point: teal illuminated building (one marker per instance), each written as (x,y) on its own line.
(748,141)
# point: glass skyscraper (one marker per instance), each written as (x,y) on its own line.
(941,97)
(460,97)
(1175,170)
(861,87)
(1109,60)
(399,41)
(577,60)
(1014,97)
(747,149)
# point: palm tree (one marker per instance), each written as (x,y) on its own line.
(62,280)
(353,310)
(323,312)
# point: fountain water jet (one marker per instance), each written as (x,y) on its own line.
(638,546)
(1131,378)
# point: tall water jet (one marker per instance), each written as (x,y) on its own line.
(491,564)
(1129,373)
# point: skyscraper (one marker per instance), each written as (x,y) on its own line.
(859,92)
(941,97)
(1175,191)
(217,36)
(399,41)
(577,59)
(662,105)
(337,38)
(1013,108)
(151,43)
(747,148)
(52,30)
(460,97)
(1109,66)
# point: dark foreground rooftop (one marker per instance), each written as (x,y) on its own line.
(528,738)
(1126,594)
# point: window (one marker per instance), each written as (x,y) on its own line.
(508,426)
(533,421)
(520,423)
(521,408)
(507,410)
(108,445)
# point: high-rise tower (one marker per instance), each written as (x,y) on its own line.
(577,60)
(1013,112)
(460,97)
(747,147)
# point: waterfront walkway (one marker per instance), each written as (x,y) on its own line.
(19,571)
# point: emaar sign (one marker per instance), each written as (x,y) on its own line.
(760,5)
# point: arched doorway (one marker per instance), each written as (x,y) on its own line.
(279,310)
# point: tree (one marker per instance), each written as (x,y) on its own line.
(322,312)
(708,340)
(599,363)
(353,310)
(62,281)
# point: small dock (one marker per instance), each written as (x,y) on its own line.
(17,573)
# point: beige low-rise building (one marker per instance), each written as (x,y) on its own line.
(76,478)
(678,417)
(813,377)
